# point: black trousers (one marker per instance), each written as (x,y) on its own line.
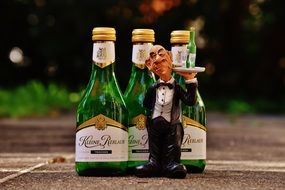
(164,142)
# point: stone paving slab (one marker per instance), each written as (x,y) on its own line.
(245,152)
(218,175)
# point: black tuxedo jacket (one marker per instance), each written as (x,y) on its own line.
(187,97)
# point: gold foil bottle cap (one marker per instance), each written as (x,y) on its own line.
(143,35)
(179,36)
(103,34)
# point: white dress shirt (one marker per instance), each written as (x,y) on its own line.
(163,103)
(164,97)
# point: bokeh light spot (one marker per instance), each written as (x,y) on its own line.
(74,97)
(254,9)
(16,55)
(282,62)
(210,68)
(33,19)
(40,3)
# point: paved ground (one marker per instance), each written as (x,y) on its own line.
(245,152)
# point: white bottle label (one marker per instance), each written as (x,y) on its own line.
(179,55)
(140,53)
(138,139)
(194,143)
(101,139)
(101,146)
(138,144)
(104,52)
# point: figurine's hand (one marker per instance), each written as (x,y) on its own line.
(187,76)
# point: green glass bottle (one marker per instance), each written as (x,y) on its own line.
(190,62)
(140,81)
(193,149)
(101,145)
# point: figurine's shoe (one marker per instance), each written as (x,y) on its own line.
(177,171)
(147,170)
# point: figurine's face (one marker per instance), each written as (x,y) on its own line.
(160,61)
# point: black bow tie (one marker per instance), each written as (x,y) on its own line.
(170,86)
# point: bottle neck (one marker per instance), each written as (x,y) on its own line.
(102,75)
(191,51)
(103,61)
(192,36)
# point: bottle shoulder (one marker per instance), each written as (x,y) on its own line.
(101,94)
(200,101)
(140,80)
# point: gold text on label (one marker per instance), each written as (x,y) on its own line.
(178,57)
(141,55)
(101,53)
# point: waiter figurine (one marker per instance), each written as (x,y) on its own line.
(164,126)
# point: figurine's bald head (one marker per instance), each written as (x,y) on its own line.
(160,62)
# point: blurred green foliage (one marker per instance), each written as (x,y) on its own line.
(238,106)
(36,99)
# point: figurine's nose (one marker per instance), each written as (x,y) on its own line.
(157,58)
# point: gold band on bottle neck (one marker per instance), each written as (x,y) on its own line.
(102,65)
(103,34)
(143,35)
(180,37)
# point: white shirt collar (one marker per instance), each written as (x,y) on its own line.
(171,81)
